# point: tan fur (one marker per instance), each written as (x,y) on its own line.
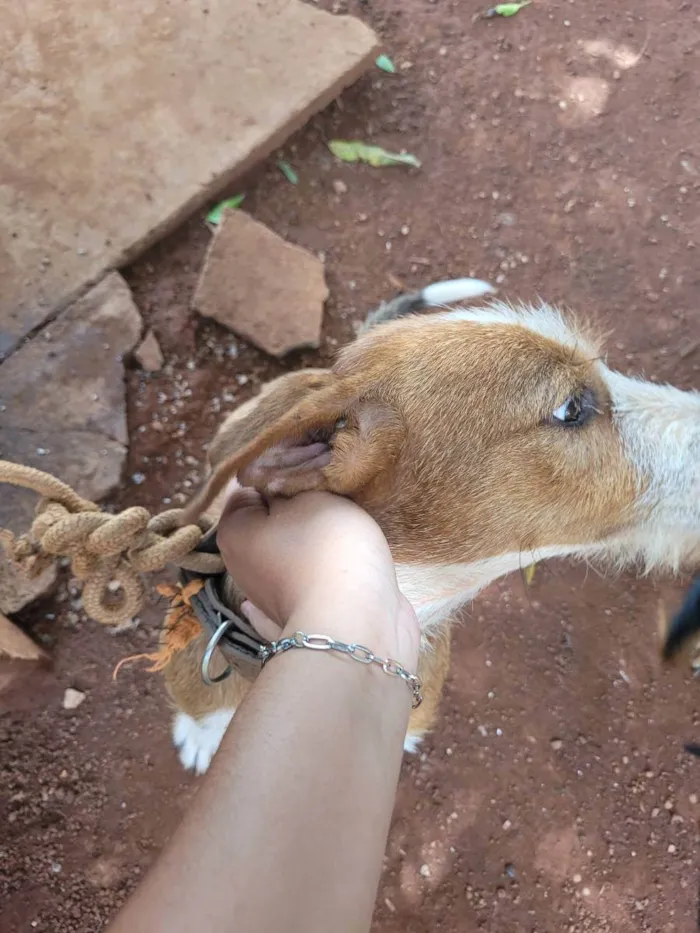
(182,676)
(448,479)
(442,428)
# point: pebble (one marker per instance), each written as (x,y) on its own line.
(556,744)
(339,186)
(425,871)
(72,698)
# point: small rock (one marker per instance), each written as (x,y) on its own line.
(556,744)
(263,288)
(425,871)
(149,355)
(339,186)
(72,698)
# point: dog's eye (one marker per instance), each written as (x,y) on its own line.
(571,412)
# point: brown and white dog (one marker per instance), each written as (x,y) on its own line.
(481,440)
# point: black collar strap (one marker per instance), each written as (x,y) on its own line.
(235,637)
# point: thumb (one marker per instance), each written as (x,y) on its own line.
(262,624)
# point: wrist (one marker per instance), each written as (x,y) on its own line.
(359,672)
(389,634)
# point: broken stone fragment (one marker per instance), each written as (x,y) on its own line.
(72,698)
(16,645)
(148,354)
(267,290)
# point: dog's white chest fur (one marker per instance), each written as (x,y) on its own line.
(437,591)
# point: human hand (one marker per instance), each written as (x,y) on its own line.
(320,564)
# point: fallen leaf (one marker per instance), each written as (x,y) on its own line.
(357,151)
(288,172)
(386,64)
(215,214)
(529,574)
(507,9)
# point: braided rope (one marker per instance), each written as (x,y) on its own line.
(108,553)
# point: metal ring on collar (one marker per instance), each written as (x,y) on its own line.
(213,644)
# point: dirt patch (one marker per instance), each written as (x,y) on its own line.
(560,160)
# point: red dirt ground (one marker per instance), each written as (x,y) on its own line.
(561,159)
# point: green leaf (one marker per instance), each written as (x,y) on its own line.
(357,151)
(288,172)
(509,9)
(386,64)
(216,213)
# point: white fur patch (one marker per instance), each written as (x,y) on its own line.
(198,740)
(436,591)
(541,319)
(445,293)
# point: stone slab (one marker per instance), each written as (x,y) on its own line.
(267,290)
(118,120)
(63,410)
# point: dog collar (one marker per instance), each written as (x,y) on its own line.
(237,640)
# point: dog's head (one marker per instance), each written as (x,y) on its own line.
(472,434)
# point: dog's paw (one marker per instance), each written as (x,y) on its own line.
(197,740)
(411,743)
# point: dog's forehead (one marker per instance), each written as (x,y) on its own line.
(523,341)
(543,320)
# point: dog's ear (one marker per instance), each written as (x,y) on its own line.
(336,438)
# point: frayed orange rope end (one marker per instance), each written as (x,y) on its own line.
(181,627)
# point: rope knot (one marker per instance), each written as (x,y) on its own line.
(108,552)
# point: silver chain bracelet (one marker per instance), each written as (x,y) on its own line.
(356,652)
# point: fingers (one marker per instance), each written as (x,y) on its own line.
(285,457)
(241,498)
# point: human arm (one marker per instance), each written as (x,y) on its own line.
(289,827)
